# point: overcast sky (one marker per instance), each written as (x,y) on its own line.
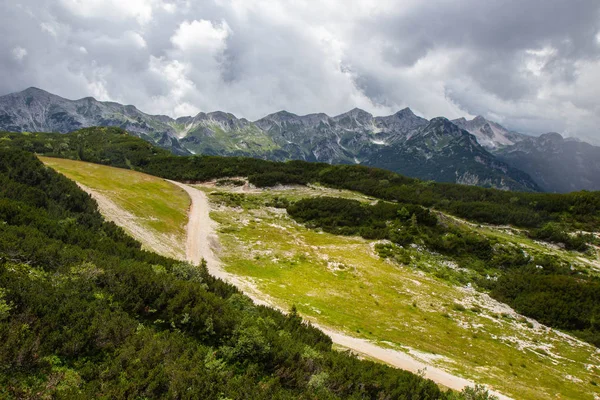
(532,65)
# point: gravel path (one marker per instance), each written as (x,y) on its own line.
(200,243)
(201,236)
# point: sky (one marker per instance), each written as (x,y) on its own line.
(531,65)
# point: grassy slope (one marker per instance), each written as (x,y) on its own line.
(341,282)
(158,206)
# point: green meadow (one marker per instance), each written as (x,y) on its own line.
(158,207)
(421,308)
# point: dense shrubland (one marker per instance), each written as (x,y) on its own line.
(85,313)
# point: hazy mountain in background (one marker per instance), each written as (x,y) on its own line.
(443,152)
(450,151)
(555,163)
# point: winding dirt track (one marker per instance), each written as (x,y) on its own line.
(202,239)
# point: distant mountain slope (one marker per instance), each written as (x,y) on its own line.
(39,111)
(219,133)
(443,152)
(490,135)
(557,164)
(347,138)
(402,142)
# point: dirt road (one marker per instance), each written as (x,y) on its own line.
(200,243)
(401,360)
(202,240)
(201,236)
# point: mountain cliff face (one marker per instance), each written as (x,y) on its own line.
(403,142)
(443,152)
(557,164)
(347,138)
(39,111)
(490,135)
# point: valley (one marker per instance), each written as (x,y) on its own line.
(292,200)
(435,149)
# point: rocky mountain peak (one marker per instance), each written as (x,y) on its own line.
(405,113)
(288,118)
(552,136)
(281,116)
(221,116)
(88,99)
(356,114)
(33,95)
(489,134)
(33,90)
(443,123)
(355,120)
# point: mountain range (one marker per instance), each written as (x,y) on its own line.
(475,152)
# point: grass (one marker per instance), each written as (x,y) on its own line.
(248,139)
(341,282)
(159,207)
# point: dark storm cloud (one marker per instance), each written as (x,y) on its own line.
(532,65)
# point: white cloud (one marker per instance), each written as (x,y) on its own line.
(140,10)
(200,35)
(48,28)
(98,90)
(532,64)
(179,88)
(135,38)
(169,7)
(19,53)
(536,59)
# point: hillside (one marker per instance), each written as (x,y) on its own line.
(403,142)
(412,299)
(113,146)
(149,209)
(417,306)
(542,266)
(85,313)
